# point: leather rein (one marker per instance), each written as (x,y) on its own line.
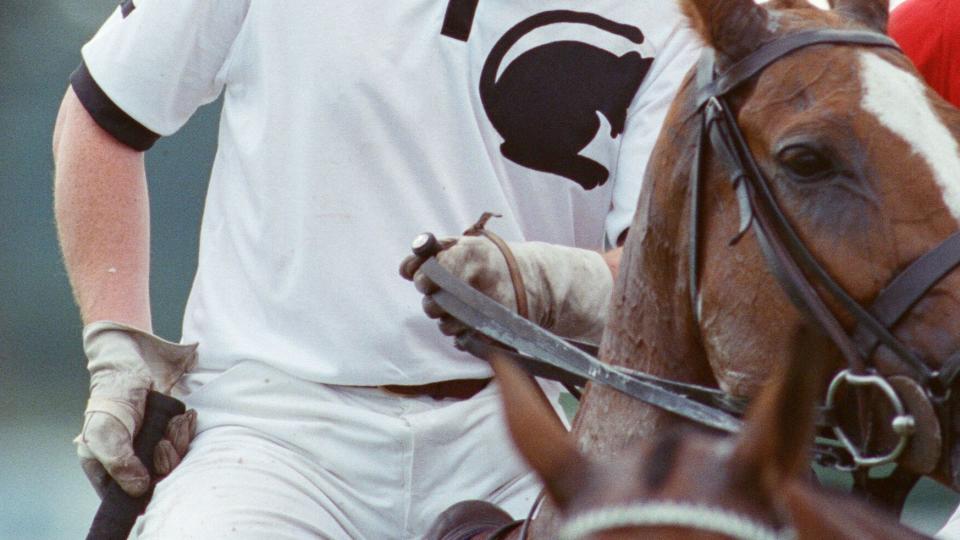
(794,266)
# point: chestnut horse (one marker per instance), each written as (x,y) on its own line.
(863,161)
(863,164)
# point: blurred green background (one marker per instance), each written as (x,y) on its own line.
(43,383)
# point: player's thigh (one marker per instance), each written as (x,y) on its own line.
(465,452)
(236,484)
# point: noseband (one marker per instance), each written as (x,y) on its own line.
(791,261)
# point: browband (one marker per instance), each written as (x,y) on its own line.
(767,54)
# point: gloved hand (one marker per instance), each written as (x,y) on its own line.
(124,364)
(568,289)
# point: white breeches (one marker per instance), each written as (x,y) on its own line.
(277,457)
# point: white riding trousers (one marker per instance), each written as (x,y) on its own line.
(278,457)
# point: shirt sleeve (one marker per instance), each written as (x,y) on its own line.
(154,62)
(677,54)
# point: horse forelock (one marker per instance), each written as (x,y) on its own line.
(902,104)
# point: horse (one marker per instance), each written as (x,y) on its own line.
(857,169)
(691,483)
(836,130)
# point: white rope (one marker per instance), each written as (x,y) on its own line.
(671,514)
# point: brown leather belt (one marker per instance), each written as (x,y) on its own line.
(453,389)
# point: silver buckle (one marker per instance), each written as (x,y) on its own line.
(902,424)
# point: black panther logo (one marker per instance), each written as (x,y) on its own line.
(546,101)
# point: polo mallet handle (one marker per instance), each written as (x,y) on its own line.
(118,510)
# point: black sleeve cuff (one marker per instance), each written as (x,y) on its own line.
(106,113)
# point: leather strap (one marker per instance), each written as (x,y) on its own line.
(909,286)
(453,389)
(757,61)
(519,291)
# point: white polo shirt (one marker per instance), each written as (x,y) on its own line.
(350,127)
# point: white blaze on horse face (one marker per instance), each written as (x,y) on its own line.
(899,101)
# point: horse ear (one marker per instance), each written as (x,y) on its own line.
(870,13)
(538,434)
(774,446)
(733,28)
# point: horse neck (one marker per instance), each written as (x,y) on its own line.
(817,513)
(650,326)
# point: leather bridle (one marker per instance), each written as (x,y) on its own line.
(791,262)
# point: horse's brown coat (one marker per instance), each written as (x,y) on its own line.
(864,225)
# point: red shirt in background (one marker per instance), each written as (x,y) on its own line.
(929,33)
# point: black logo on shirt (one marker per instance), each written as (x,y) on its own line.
(545,102)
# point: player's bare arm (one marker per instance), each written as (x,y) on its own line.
(103,221)
(103,218)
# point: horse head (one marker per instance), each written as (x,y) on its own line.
(862,165)
(688,483)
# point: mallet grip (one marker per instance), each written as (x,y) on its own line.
(118,510)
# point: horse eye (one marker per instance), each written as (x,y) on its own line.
(804,163)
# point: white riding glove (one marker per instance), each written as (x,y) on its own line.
(568,289)
(124,364)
